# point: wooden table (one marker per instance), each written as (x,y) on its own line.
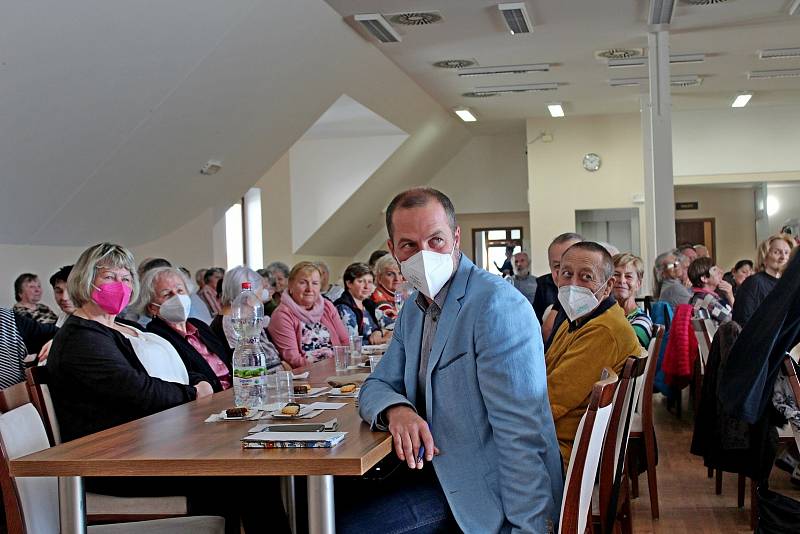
(177,442)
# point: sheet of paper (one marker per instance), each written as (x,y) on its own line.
(327,405)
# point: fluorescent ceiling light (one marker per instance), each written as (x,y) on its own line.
(378,27)
(465,114)
(642,61)
(794,9)
(524,88)
(779,53)
(661,12)
(504,69)
(516,17)
(742,100)
(555,109)
(770,74)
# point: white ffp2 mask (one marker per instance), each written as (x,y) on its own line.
(175,309)
(578,301)
(428,271)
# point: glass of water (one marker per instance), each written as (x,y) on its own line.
(355,350)
(341,354)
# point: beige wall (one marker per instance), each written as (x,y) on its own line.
(43,261)
(471,221)
(558,185)
(733,211)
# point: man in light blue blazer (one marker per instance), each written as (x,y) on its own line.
(464,378)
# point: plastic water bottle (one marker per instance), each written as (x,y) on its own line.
(249,360)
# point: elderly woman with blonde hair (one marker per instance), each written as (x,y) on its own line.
(771,259)
(306,326)
(628,276)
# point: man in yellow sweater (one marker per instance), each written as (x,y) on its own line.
(595,335)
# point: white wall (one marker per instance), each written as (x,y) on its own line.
(746,140)
(326,172)
(788,197)
(43,261)
(489,174)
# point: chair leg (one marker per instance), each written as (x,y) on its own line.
(633,476)
(718,485)
(652,480)
(710,472)
(626,521)
(753,504)
(740,493)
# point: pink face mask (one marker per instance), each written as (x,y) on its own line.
(112,297)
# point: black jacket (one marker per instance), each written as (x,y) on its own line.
(546,294)
(34,333)
(756,357)
(751,294)
(98,382)
(369,306)
(192,359)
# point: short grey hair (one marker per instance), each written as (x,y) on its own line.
(232,283)
(276,266)
(322,266)
(563,238)
(81,279)
(383,263)
(659,265)
(148,286)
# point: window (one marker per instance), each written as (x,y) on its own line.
(490,246)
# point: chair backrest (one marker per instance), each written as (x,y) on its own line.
(31,503)
(791,374)
(644,394)
(615,444)
(13,397)
(576,504)
(701,332)
(37,379)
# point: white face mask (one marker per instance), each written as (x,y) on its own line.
(265,295)
(578,301)
(428,271)
(175,309)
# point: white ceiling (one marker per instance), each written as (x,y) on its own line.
(348,118)
(566,35)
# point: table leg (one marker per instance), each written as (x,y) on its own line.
(71,505)
(289,496)
(321,513)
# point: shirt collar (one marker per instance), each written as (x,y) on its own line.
(191,330)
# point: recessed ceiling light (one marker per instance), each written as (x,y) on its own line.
(516,17)
(378,27)
(779,53)
(504,69)
(555,109)
(741,100)
(465,114)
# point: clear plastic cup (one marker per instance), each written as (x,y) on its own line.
(341,354)
(374,359)
(355,350)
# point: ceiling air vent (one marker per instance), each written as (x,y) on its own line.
(772,74)
(479,94)
(525,88)
(378,27)
(703,2)
(455,63)
(686,81)
(516,17)
(779,53)
(417,18)
(619,53)
(504,69)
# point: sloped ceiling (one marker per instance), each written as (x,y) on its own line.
(109,109)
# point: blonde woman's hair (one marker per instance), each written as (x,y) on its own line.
(624,258)
(763,248)
(302,268)
(81,279)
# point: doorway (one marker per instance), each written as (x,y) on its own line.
(490,244)
(697,232)
(618,227)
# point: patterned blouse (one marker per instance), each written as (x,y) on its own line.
(315,342)
(642,326)
(350,321)
(385,307)
(42,314)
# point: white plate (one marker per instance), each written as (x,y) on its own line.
(301,376)
(337,392)
(304,410)
(374,349)
(251,415)
(315,392)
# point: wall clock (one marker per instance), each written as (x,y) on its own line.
(591,162)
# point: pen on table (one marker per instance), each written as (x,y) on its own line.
(421,453)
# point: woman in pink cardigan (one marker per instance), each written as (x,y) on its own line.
(305,326)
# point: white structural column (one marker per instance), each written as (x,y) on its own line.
(659,194)
(253,240)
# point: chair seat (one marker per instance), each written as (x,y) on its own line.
(175,525)
(636,423)
(97,504)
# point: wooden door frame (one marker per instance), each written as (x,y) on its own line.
(713,222)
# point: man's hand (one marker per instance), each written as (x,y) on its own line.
(409,431)
(204,389)
(45,351)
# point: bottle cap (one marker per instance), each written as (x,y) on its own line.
(245,285)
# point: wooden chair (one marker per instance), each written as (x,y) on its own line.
(643,428)
(613,492)
(31,503)
(576,503)
(13,397)
(100,508)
